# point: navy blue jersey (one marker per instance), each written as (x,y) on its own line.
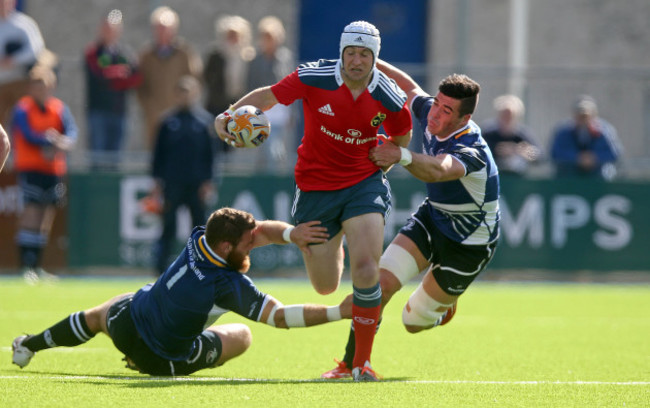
(196,289)
(465,210)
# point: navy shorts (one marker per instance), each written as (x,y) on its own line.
(454,265)
(331,208)
(207,346)
(40,188)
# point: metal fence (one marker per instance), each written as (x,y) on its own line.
(622,94)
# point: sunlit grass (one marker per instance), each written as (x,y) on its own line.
(509,345)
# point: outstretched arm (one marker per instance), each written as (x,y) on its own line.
(403,80)
(429,169)
(279,232)
(399,141)
(304,315)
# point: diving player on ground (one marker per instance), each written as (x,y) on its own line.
(166,328)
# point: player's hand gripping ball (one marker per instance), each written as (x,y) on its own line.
(249,125)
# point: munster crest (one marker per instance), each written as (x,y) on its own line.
(376,121)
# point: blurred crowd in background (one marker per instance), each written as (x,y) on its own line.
(244,57)
(178,99)
(174,88)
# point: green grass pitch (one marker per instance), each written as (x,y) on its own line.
(524,345)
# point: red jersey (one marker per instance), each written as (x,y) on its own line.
(340,131)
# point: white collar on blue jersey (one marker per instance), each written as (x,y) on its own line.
(210,251)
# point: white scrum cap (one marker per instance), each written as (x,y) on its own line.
(361,34)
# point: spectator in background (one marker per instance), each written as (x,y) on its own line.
(182,163)
(162,64)
(111,71)
(5,147)
(227,65)
(273,61)
(511,143)
(21,44)
(43,129)
(586,145)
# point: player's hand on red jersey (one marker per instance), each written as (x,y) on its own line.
(386,153)
(309,233)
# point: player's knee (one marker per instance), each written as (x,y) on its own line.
(422,311)
(415,320)
(414,329)
(242,340)
(365,273)
(324,277)
(246,338)
(326,289)
(235,338)
(93,319)
(96,316)
(397,266)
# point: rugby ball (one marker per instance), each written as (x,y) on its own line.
(249,125)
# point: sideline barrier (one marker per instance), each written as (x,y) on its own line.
(567,224)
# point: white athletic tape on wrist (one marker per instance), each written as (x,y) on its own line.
(294,316)
(334,313)
(400,263)
(271,319)
(406,157)
(422,310)
(286,234)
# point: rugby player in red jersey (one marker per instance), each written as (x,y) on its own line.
(345,101)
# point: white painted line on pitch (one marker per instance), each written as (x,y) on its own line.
(67,350)
(289,380)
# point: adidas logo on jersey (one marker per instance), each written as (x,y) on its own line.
(326,110)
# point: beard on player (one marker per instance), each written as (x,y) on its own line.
(239,261)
